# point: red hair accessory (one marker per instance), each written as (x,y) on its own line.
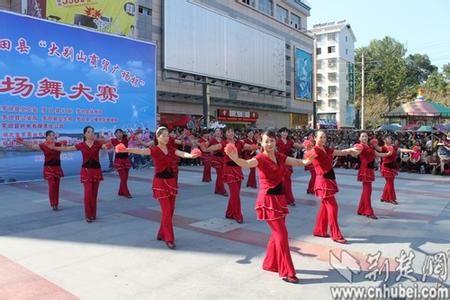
(374,142)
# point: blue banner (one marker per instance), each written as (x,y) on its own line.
(62,78)
(303,74)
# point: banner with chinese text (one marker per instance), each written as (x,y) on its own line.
(62,78)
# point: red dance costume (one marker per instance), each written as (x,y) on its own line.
(286,149)
(312,179)
(176,159)
(165,189)
(52,172)
(325,188)
(271,207)
(366,175)
(232,175)
(251,181)
(217,163)
(91,175)
(206,158)
(122,164)
(389,171)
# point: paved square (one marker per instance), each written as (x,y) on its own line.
(57,255)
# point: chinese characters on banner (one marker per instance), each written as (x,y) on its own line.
(62,78)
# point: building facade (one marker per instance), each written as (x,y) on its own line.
(335,51)
(180,94)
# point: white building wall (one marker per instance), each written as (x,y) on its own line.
(343,54)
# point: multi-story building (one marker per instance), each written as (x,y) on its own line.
(335,72)
(256,85)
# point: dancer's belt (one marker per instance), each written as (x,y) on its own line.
(91,164)
(166,174)
(390,165)
(52,162)
(232,164)
(329,175)
(278,190)
(122,155)
(371,165)
(218,154)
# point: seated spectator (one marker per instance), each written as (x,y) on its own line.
(432,163)
(444,153)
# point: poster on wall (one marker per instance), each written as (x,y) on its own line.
(62,78)
(118,16)
(303,75)
(37,8)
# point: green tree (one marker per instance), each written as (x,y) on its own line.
(419,68)
(386,73)
(436,81)
(446,71)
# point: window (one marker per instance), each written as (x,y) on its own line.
(145,10)
(332,76)
(332,36)
(288,57)
(319,77)
(288,47)
(296,21)
(331,49)
(249,2)
(319,90)
(266,6)
(282,14)
(332,90)
(346,38)
(332,103)
(346,51)
(332,63)
(319,103)
(318,51)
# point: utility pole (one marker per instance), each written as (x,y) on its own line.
(362,91)
(206,102)
(314,116)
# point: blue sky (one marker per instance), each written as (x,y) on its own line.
(422,26)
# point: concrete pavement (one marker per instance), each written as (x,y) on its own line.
(57,255)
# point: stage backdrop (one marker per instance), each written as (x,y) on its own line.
(62,78)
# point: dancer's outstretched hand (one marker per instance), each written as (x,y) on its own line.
(120,148)
(196,153)
(231,151)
